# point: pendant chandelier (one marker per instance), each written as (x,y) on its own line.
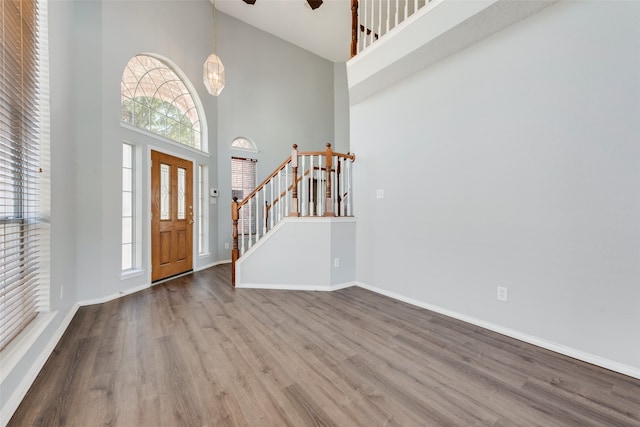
(213,73)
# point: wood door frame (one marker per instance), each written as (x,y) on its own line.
(148,201)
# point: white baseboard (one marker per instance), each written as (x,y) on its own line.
(12,403)
(270,286)
(555,347)
(341,286)
(213,264)
(114,296)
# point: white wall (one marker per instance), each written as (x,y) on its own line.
(64,204)
(87,69)
(341,108)
(514,163)
(276,94)
(343,249)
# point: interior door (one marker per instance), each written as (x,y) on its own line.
(171,216)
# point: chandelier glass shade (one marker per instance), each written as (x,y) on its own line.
(213,75)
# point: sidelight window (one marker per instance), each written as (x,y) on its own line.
(203,210)
(128,207)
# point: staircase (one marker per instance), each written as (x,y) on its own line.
(306,184)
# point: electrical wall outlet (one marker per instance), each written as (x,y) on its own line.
(380,193)
(226,245)
(503,294)
(336,262)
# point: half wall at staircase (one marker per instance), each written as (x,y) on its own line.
(302,253)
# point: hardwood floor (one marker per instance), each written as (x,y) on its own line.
(194,352)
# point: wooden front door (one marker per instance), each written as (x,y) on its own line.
(171,216)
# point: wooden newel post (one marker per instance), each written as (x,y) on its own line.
(329,205)
(234,234)
(339,190)
(294,183)
(354,28)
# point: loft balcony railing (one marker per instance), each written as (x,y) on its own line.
(371,20)
(307,184)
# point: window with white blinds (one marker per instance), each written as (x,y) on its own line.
(243,182)
(20,167)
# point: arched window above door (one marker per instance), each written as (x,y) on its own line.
(243,143)
(154,98)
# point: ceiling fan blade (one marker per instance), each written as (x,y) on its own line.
(313,3)
(249,1)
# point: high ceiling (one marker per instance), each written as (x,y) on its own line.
(325,31)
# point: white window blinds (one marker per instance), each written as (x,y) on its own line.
(243,182)
(19,167)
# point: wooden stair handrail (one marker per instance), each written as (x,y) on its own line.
(349,156)
(264,183)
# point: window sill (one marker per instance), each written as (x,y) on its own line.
(15,351)
(129,274)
